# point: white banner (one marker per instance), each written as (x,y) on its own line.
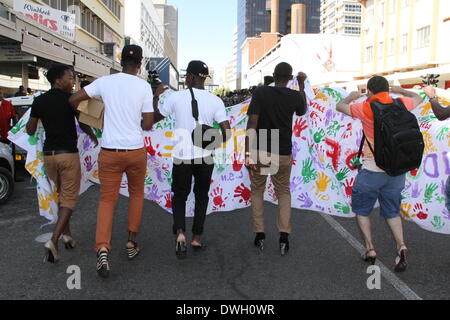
(58,21)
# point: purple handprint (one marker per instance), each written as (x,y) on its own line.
(322,209)
(328,117)
(307,202)
(446,213)
(295,183)
(154,193)
(79,131)
(416,191)
(295,149)
(86,143)
(159,175)
(443,187)
(407,186)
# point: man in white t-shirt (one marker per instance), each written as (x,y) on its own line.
(189,160)
(128,111)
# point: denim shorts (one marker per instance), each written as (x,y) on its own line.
(447,194)
(372,186)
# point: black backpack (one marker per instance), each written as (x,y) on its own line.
(399,142)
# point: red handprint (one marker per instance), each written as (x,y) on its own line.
(150,150)
(349,187)
(349,132)
(218,201)
(414,172)
(243,192)
(315,117)
(237,161)
(168,198)
(335,152)
(299,127)
(418,210)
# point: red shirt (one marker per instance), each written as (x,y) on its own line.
(7,112)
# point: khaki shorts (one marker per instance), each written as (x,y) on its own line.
(65,171)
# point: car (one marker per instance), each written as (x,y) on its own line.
(6,172)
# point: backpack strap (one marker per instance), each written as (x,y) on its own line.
(364,139)
(194,105)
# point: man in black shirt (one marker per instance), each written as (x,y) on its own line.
(61,158)
(269,148)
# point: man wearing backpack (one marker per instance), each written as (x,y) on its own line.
(382,149)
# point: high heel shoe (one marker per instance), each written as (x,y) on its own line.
(69,243)
(400,262)
(368,259)
(103,264)
(259,240)
(284,243)
(51,254)
(181,250)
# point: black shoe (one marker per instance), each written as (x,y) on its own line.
(259,240)
(102,264)
(284,243)
(181,250)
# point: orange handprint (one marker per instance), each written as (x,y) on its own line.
(322,182)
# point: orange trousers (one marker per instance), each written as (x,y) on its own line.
(112,165)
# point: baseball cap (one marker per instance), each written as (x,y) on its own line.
(133,52)
(198,68)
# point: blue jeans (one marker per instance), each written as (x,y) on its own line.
(372,186)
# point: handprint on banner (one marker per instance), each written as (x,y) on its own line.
(271,192)
(168,198)
(322,182)
(328,117)
(319,135)
(295,183)
(429,192)
(315,118)
(154,193)
(218,200)
(349,131)
(342,174)
(416,191)
(89,165)
(419,213)
(405,210)
(348,187)
(437,223)
(333,129)
(150,150)
(425,109)
(18,127)
(443,133)
(243,193)
(308,173)
(342,208)
(334,153)
(86,143)
(238,161)
(159,175)
(168,176)
(305,200)
(300,125)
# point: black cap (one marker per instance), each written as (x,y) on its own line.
(132,52)
(198,68)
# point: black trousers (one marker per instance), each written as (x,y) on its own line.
(181,187)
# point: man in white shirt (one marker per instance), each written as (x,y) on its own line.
(128,111)
(189,160)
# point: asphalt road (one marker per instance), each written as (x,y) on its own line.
(323,262)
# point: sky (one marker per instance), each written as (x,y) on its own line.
(205,32)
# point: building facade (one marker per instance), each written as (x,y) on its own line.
(340,17)
(93,47)
(169,18)
(404,39)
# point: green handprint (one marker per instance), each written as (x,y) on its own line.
(98,133)
(33,140)
(216,125)
(442,134)
(437,223)
(318,136)
(148,181)
(341,175)
(333,128)
(329,166)
(168,175)
(342,208)
(220,162)
(308,173)
(19,126)
(355,162)
(440,199)
(311,149)
(429,191)
(334,94)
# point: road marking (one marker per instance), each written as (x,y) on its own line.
(15,220)
(396,282)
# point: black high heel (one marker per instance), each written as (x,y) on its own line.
(181,250)
(400,262)
(368,259)
(259,240)
(284,243)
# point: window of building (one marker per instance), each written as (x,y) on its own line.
(352,8)
(114,6)
(423,37)
(369,54)
(380,50)
(404,43)
(352,19)
(391,46)
(352,30)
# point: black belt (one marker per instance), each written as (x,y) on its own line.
(54,152)
(120,150)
